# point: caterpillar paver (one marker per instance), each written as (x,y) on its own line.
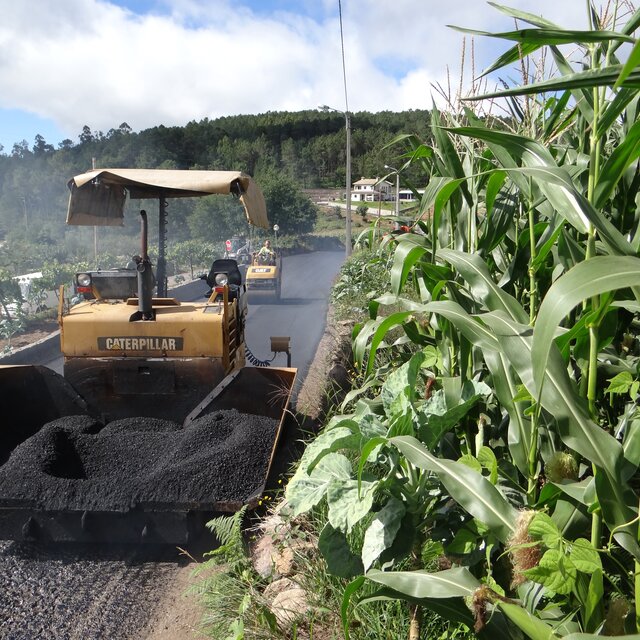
(156,422)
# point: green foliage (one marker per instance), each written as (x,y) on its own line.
(499,371)
(229,588)
(285,152)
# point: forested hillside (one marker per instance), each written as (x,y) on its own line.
(285,152)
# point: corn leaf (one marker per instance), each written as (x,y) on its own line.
(575,427)
(589,79)
(547,36)
(470,489)
(529,624)
(449,583)
(409,251)
(374,332)
(589,278)
(474,270)
(625,153)
(632,63)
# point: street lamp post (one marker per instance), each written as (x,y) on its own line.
(397,203)
(276,228)
(347,121)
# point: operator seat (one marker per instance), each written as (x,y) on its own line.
(230,267)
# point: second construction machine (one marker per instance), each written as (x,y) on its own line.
(156,422)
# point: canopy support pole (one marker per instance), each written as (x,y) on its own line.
(161,271)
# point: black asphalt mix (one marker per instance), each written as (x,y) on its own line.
(75,463)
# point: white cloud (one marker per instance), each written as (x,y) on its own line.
(90,62)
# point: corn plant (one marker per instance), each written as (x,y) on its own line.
(511,435)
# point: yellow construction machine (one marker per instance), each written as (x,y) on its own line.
(156,422)
(264,276)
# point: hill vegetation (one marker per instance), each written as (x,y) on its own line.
(285,152)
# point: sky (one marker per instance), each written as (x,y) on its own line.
(65,64)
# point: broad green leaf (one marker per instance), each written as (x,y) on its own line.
(584,556)
(555,571)
(465,541)
(449,583)
(404,377)
(487,458)
(349,501)
(545,529)
(468,488)
(370,449)
(382,531)
(305,491)
(438,423)
(620,383)
(332,440)
(341,561)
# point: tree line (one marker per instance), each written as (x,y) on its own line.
(286,152)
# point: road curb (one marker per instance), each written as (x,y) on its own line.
(44,349)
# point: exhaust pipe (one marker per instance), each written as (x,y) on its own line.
(145,274)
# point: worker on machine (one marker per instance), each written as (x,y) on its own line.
(266,255)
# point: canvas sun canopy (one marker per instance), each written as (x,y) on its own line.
(97,197)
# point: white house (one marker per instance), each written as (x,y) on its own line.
(371,190)
(406,195)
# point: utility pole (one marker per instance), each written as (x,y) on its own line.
(347,121)
(348,228)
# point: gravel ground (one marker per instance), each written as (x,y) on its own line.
(81,592)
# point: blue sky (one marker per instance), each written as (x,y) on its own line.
(100,63)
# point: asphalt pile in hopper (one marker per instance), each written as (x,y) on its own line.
(76,463)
